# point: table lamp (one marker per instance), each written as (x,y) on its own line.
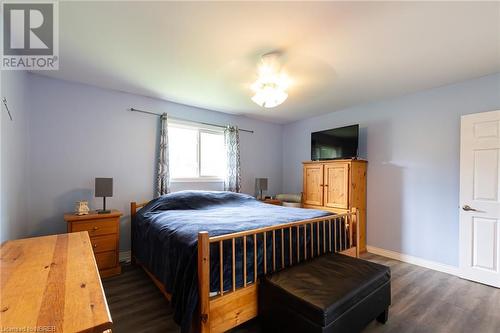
(103,188)
(261,185)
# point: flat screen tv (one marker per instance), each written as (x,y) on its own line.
(337,143)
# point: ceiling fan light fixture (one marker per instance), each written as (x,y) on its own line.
(269,97)
(271,85)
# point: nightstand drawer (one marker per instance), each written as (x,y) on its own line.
(103,243)
(96,228)
(106,259)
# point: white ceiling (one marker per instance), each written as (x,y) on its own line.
(338,53)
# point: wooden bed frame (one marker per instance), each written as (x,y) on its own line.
(229,309)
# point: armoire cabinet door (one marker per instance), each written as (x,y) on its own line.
(336,187)
(313,184)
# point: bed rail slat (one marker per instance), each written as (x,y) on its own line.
(298,244)
(255,258)
(317,239)
(244,261)
(356,222)
(335,235)
(290,254)
(274,250)
(234,264)
(340,233)
(282,248)
(351,229)
(324,236)
(348,231)
(312,241)
(221,268)
(265,253)
(330,235)
(305,241)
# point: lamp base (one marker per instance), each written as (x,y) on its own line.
(103,210)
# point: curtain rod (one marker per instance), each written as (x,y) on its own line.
(198,122)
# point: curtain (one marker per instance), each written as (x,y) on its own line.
(232,181)
(163,176)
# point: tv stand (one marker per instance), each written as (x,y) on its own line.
(337,186)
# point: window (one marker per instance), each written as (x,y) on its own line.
(195,153)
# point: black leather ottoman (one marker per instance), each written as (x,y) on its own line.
(331,293)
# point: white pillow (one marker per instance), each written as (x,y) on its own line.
(291,204)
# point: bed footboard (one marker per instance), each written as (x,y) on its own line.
(300,240)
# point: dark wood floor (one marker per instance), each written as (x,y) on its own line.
(423,300)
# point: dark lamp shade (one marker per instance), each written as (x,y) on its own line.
(104,187)
(261,184)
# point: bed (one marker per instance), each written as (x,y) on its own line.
(207,250)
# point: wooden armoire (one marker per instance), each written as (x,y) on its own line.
(337,186)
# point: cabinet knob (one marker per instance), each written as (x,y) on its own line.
(94,245)
(95,228)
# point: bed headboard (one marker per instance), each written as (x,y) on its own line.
(134,207)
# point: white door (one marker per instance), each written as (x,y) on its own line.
(480,198)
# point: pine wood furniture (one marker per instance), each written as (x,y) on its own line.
(51,284)
(337,186)
(272,202)
(228,309)
(104,232)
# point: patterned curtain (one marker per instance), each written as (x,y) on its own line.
(232,181)
(163,177)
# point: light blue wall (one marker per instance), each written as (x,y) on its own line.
(412,145)
(14,135)
(79,132)
(65,134)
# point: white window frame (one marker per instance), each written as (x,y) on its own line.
(200,128)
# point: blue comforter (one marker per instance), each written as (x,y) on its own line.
(165,233)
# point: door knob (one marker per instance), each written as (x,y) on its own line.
(468,208)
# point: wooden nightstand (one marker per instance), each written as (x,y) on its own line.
(272,202)
(104,232)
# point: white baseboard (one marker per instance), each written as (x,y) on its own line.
(125,256)
(414,260)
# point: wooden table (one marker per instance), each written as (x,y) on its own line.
(51,284)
